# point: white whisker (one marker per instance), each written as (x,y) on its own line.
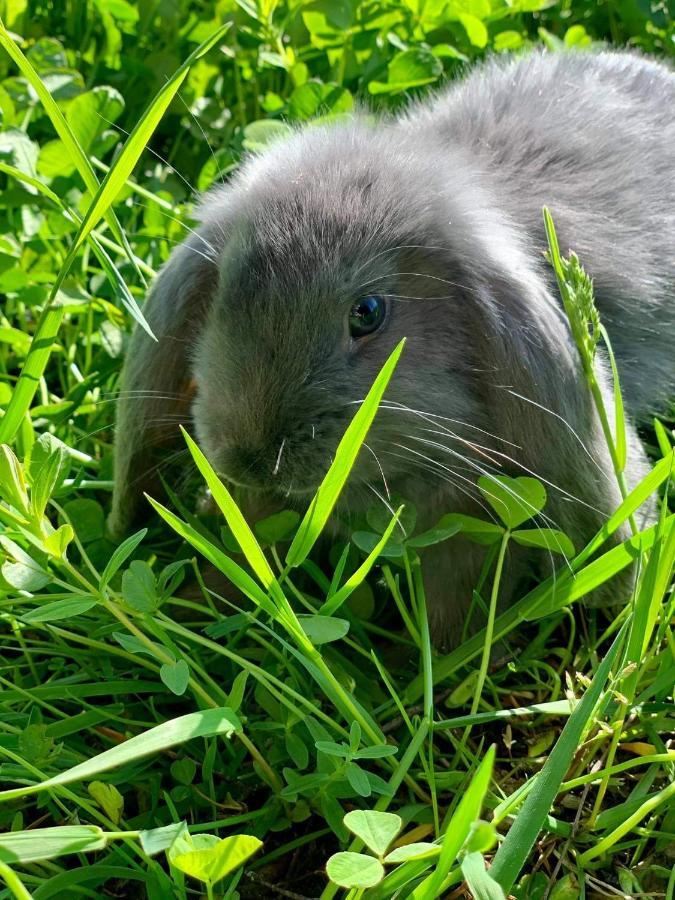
(387,505)
(394,405)
(275,470)
(379,465)
(208,143)
(567,425)
(518,463)
(427,464)
(154,153)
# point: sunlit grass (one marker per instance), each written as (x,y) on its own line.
(151,741)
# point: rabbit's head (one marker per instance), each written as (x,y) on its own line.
(306,271)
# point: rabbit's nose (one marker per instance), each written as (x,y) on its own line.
(248,466)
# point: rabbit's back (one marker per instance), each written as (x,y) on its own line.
(591,136)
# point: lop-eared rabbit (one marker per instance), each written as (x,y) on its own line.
(322,252)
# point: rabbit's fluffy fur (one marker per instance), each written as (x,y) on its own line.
(440,211)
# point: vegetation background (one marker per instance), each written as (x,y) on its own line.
(284,735)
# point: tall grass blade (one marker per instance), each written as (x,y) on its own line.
(550,596)
(619,415)
(233,516)
(664,442)
(105,195)
(345,456)
(664,796)
(457,831)
(31,373)
(356,578)
(63,129)
(135,144)
(238,576)
(661,472)
(654,583)
(47,843)
(480,882)
(512,854)
(206,723)
(14,883)
(107,264)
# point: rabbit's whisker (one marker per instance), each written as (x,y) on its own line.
(379,465)
(567,425)
(207,244)
(163,464)
(161,395)
(385,503)
(503,455)
(154,153)
(221,176)
(396,249)
(394,405)
(523,504)
(443,473)
(275,470)
(398,274)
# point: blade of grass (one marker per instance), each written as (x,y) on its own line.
(238,524)
(664,442)
(14,883)
(641,492)
(419,604)
(46,843)
(38,844)
(206,723)
(112,184)
(135,144)
(305,651)
(345,456)
(654,583)
(489,629)
(573,783)
(663,796)
(459,826)
(33,368)
(550,708)
(480,882)
(591,576)
(228,567)
(619,416)
(64,131)
(512,854)
(356,578)
(95,239)
(645,611)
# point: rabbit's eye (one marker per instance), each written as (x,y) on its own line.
(367,315)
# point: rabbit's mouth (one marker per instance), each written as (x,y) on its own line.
(282,469)
(295,491)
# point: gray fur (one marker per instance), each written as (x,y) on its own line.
(441,210)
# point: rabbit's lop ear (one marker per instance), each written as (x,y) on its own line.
(156,387)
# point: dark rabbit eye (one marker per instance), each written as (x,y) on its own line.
(367,315)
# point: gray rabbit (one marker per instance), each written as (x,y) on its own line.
(321,253)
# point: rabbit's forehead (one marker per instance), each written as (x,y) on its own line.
(335,255)
(295,259)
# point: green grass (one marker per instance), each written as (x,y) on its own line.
(152,746)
